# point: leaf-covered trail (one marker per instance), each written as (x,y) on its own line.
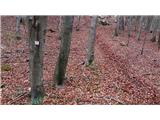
(120,75)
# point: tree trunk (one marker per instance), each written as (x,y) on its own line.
(60,26)
(61,65)
(137,19)
(121,23)
(158,40)
(153,39)
(37,29)
(91,41)
(140,28)
(153,28)
(144,41)
(78,23)
(129,29)
(18,19)
(116,31)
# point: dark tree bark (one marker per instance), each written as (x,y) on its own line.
(37,28)
(61,65)
(91,41)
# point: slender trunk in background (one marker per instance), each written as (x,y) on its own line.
(18,19)
(37,28)
(146,20)
(144,41)
(121,23)
(91,40)
(154,27)
(129,29)
(116,30)
(66,33)
(78,23)
(60,26)
(137,19)
(153,39)
(140,28)
(159,40)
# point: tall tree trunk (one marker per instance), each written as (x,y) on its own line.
(159,40)
(60,26)
(61,65)
(129,29)
(153,39)
(137,19)
(78,23)
(140,28)
(18,19)
(116,30)
(154,27)
(144,41)
(121,23)
(37,29)
(91,40)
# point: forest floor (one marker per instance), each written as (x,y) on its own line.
(119,75)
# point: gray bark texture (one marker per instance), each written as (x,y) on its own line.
(37,29)
(158,40)
(121,23)
(155,26)
(116,30)
(140,27)
(18,19)
(60,26)
(129,28)
(66,34)
(91,40)
(78,23)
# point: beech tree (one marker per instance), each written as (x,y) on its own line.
(146,19)
(37,28)
(140,27)
(19,20)
(60,26)
(154,27)
(121,23)
(78,23)
(129,28)
(66,32)
(91,40)
(158,40)
(116,30)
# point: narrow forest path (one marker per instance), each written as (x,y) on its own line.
(120,75)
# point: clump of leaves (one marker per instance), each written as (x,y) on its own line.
(122,43)
(6,67)
(10,37)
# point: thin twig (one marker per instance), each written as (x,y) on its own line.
(18,98)
(113,98)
